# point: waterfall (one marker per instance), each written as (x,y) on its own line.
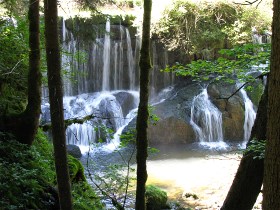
(106,59)
(206,119)
(107,109)
(101,76)
(130,58)
(250,115)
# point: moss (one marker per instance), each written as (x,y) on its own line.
(255,92)
(76,170)
(156,198)
(28,179)
(87,29)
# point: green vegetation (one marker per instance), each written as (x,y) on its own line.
(257,147)
(156,198)
(201,29)
(27,177)
(13,65)
(233,64)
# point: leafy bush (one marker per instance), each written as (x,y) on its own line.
(156,198)
(202,29)
(257,147)
(25,175)
(28,179)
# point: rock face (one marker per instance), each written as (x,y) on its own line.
(175,113)
(232,110)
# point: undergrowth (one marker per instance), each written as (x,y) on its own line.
(28,180)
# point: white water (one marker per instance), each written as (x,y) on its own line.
(106,59)
(106,110)
(206,120)
(106,64)
(250,116)
(131,68)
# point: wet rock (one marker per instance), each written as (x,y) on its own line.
(74,150)
(127,101)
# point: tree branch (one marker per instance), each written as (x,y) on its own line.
(258,77)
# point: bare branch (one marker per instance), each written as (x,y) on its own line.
(258,77)
(250,2)
(15,66)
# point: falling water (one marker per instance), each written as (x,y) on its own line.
(250,115)
(130,58)
(108,64)
(106,109)
(206,119)
(106,59)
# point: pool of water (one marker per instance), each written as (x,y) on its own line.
(201,170)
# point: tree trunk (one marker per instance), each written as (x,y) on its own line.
(143,113)
(24,125)
(247,183)
(31,115)
(271,184)
(56,104)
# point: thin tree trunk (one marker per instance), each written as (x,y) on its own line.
(271,184)
(31,115)
(143,113)
(24,125)
(56,104)
(247,183)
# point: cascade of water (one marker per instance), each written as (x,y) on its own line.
(106,59)
(107,63)
(250,115)
(130,59)
(206,119)
(116,66)
(108,109)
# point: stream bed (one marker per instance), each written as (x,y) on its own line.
(193,175)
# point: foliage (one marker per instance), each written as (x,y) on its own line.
(85,198)
(27,177)
(15,7)
(257,147)
(233,64)
(156,198)
(202,28)
(13,64)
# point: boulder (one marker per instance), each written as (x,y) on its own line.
(171,131)
(156,198)
(74,150)
(127,101)
(174,114)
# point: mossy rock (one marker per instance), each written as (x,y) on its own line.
(255,91)
(156,198)
(76,170)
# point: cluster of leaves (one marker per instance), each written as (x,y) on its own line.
(13,64)
(257,148)
(202,29)
(233,64)
(28,179)
(26,174)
